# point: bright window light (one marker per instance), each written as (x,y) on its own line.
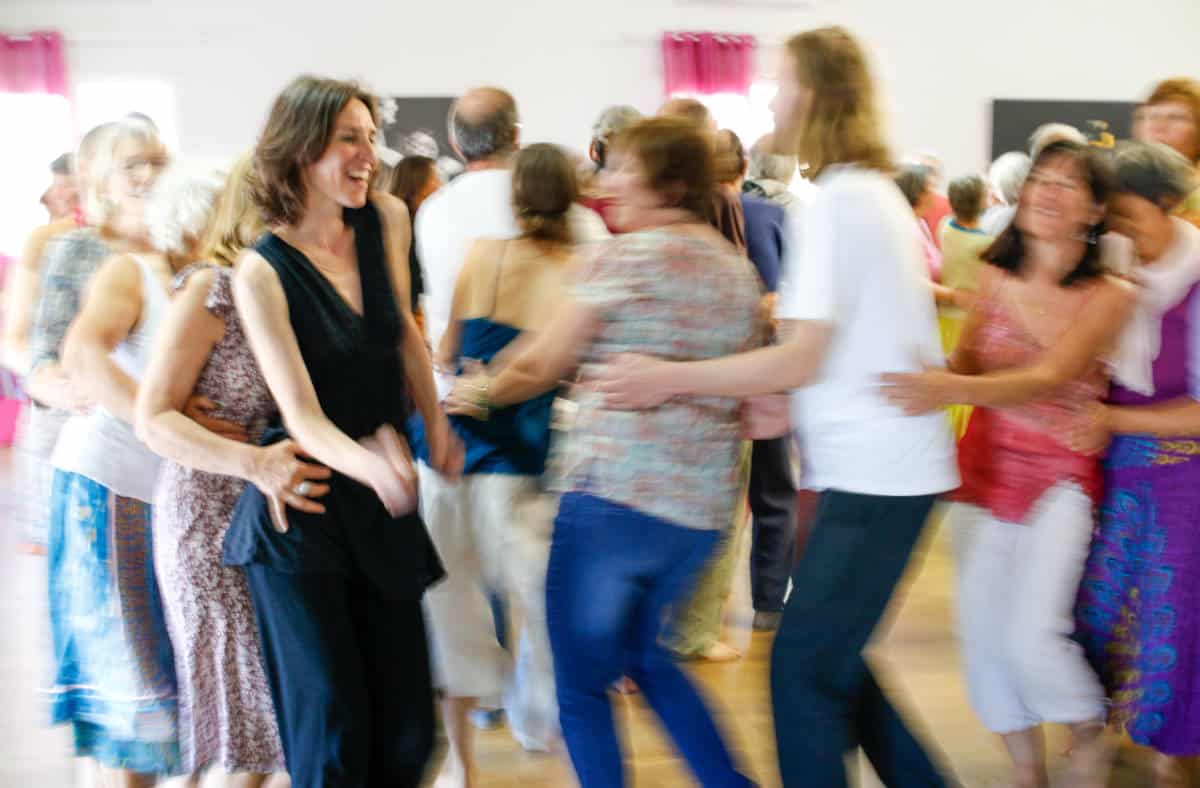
(37,132)
(748,116)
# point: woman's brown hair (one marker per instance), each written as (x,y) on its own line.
(236,223)
(676,156)
(297,132)
(1185,91)
(842,124)
(409,177)
(544,188)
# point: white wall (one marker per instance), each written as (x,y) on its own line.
(940,61)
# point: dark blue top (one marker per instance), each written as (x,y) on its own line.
(764,238)
(356,370)
(513,440)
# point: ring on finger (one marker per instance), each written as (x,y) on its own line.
(303,489)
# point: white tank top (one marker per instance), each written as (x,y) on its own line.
(100,446)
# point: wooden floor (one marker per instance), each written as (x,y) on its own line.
(917,656)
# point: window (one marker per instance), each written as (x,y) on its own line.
(38,131)
(749,117)
(42,128)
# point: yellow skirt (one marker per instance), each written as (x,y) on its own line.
(950,327)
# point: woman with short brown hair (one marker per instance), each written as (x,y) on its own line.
(323,297)
(646,495)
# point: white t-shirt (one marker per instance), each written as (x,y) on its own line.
(855,261)
(474,205)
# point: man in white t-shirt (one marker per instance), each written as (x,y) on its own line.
(845,273)
(485,132)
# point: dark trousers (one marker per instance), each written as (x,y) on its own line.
(350,677)
(613,573)
(772,497)
(827,703)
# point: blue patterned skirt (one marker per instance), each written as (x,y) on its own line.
(114,674)
(1138,614)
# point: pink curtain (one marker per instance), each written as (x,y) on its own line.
(707,63)
(33,63)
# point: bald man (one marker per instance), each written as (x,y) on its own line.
(484,128)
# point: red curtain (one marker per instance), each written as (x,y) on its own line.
(33,63)
(707,63)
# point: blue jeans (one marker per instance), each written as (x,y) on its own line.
(613,573)
(826,699)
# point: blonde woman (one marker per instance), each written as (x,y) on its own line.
(114,677)
(855,303)
(226,717)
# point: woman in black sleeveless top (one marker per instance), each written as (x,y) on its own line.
(337,595)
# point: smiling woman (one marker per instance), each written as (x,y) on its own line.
(324,301)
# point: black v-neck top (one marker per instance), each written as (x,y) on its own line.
(355,366)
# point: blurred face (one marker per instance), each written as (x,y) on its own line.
(1143,222)
(343,173)
(62,198)
(1170,123)
(792,103)
(137,165)
(633,200)
(1056,203)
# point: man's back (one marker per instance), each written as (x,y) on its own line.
(474,205)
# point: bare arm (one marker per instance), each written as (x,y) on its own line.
(1094,334)
(21,295)
(182,350)
(1173,418)
(264,310)
(187,338)
(1085,342)
(642,382)
(549,357)
(112,306)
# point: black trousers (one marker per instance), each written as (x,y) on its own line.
(350,677)
(826,698)
(772,497)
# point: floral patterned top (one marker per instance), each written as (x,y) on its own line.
(680,298)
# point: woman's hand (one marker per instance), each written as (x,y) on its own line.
(1092,434)
(469,397)
(393,477)
(766,417)
(51,386)
(631,382)
(199,409)
(446,452)
(919,392)
(287,480)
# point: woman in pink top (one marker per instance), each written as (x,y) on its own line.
(1030,360)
